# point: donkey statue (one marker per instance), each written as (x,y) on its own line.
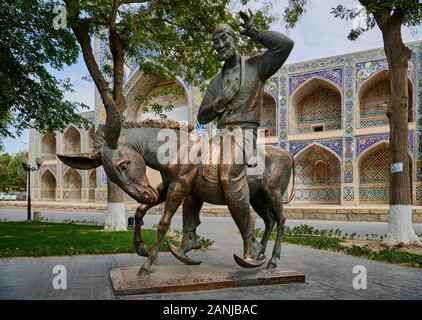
(124,155)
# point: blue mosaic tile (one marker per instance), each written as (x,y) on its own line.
(335,145)
(348,194)
(365,142)
(334,75)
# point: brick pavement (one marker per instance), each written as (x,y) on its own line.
(329,275)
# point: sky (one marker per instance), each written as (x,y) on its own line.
(317,35)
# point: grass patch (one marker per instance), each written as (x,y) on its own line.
(332,240)
(36,239)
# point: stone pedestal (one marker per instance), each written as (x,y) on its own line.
(125,281)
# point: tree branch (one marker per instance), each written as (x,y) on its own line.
(113,15)
(382,15)
(82,35)
(132,1)
(80,28)
(148,10)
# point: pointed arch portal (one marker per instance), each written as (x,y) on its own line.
(318,176)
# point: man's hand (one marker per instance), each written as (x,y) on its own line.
(224,99)
(246,28)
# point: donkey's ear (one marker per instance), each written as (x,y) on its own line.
(83,161)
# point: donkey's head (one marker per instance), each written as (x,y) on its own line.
(123,165)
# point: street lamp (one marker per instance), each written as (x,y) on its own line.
(27,167)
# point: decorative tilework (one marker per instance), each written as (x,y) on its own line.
(282,99)
(349,159)
(35,179)
(316,64)
(48,144)
(375,168)
(295,147)
(306,162)
(201,129)
(375,177)
(104,178)
(48,180)
(370,123)
(71,140)
(334,75)
(272,87)
(348,156)
(317,195)
(419,170)
(419,192)
(51,167)
(72,179)
(365,142)
(101,195)
(348,193)
(335,145)
(320,106)
(411,142)
(374,110)
(374,194)
(419,116)
(269,115)
(364,70)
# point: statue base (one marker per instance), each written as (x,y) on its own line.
(164,279)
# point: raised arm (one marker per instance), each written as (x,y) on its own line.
(279,47)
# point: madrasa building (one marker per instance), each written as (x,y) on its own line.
(329,113)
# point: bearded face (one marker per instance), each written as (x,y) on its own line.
(224,45)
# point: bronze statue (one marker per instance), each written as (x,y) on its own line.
(235,97)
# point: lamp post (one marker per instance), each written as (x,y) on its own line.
(27,167)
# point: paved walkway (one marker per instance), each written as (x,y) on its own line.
(361,227)
(329,275)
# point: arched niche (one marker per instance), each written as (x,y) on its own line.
(48,185)
(164,91)
(90,139)
(374,98)
(374,169)
(167,93)
(318,176)
(269,115)
(71,140)
(92,184)
(48,145)
(72,185)
(316,106)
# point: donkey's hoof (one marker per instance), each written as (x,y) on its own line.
(180,255)
(249,262)
(271,265)
(142,272)
(142,250)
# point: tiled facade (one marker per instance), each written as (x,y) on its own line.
(329,113)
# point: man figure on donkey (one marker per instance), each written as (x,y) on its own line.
(234,96)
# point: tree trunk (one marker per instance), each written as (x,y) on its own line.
(400,228)
(116,216)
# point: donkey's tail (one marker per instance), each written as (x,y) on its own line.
(293,183)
